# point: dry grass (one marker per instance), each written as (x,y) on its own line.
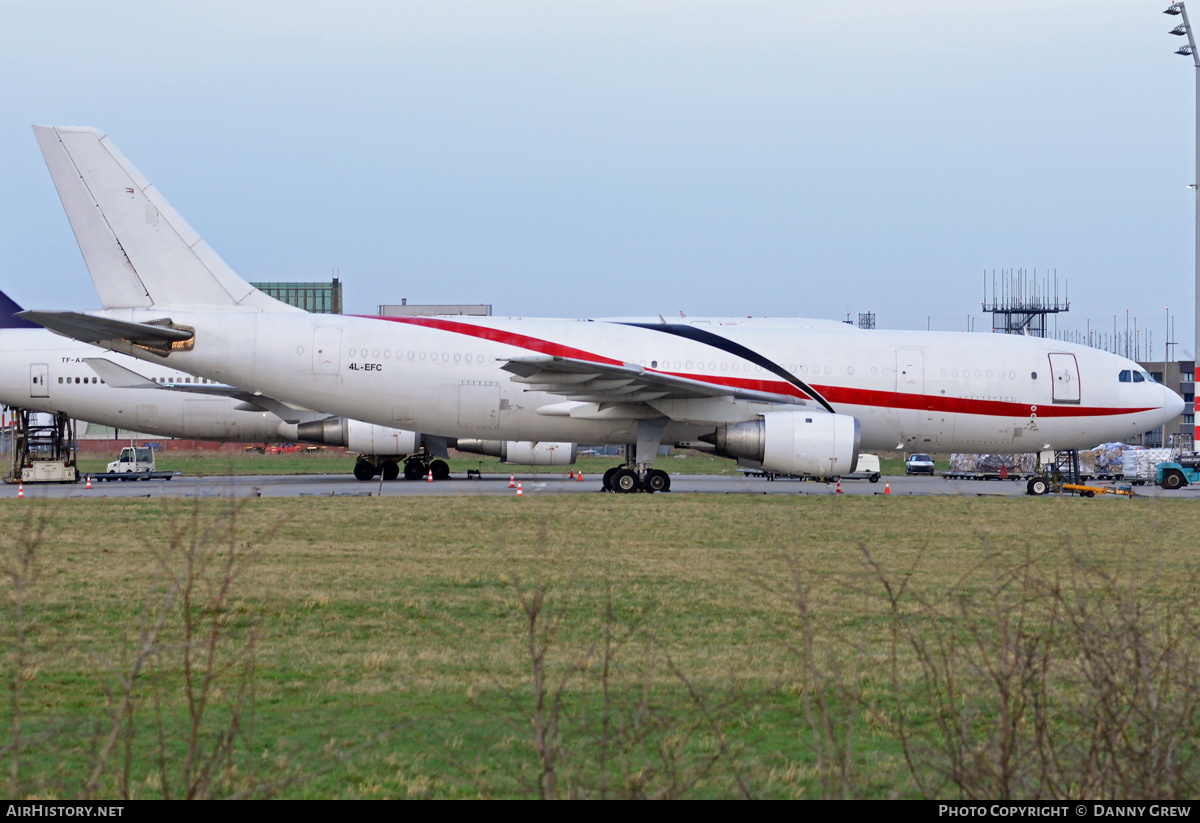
(370,612)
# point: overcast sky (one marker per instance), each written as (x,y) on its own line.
(613,158)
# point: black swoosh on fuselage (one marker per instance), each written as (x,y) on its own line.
(737,350)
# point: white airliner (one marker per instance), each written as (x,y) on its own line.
(42,372)
(800,397)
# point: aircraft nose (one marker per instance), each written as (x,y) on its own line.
(1172,404)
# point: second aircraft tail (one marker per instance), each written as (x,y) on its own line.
(138,249)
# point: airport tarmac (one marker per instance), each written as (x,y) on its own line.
(345,485)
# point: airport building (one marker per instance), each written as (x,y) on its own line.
(318,298)
(405,309)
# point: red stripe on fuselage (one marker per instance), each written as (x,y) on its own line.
(500,336)
(833,394)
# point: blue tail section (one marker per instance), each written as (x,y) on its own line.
(8,315)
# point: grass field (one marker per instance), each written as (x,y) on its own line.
(680,645)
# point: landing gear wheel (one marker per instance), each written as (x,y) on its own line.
(1172,480)
(608,476)
(364,470)
(390,470)
(625,481)
(658,480)
(440,469)
(414,469)
(1037,486)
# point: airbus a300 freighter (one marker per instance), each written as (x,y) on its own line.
(800,397)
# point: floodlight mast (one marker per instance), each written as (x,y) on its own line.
(1190,51)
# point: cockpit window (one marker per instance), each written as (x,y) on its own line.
(1126,376)
(1138,377)
(1149,377)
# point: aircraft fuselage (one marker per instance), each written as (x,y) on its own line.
(923,391)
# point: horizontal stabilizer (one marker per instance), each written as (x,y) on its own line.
(87,328)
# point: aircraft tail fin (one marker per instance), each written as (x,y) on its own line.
(8,315)
(138,249)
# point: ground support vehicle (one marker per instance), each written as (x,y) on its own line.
(134,463)
(40,452)
(1175,474)
(1092,491)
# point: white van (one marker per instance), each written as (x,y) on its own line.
(867,468)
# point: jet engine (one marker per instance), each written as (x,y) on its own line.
(793,442)
(523,452)
(360,437)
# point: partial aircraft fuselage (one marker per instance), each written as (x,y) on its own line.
(926,391)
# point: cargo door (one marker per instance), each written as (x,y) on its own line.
(1064,372)
(479,405)
(39,380)
(327,348)
(910,371)
(207,418)
(147,417)
(921,429)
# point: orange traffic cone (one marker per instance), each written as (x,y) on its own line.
(429,477)
(512,481)
(579,477)
(20,489)
(839,486)
(887,487)
(519,492)
(89,483)
(572,475)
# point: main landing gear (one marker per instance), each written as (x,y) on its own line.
(624,480)
(636,475)
(416,467)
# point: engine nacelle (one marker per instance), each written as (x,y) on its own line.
(793,442)
(360,437)
(523,452)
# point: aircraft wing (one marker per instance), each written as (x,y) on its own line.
(587,381)
(87,328)
(120,377)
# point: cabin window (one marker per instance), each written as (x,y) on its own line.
(1033,375)
(60,380)
(76,381)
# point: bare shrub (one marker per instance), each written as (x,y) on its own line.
(1066,684)
(618,718)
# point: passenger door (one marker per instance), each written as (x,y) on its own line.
(1064,372)
(39,380)
(327,350)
